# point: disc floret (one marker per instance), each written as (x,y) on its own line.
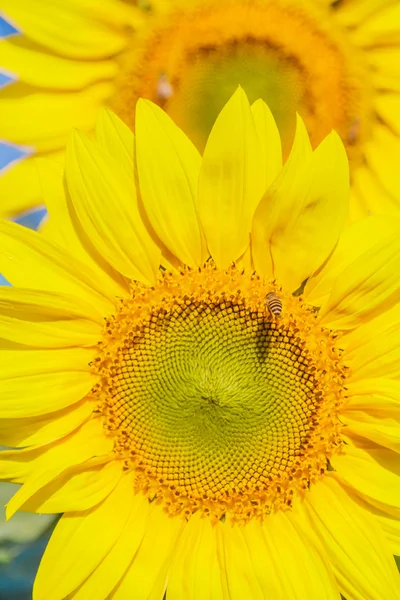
(215,403)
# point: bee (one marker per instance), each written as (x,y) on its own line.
(273,303)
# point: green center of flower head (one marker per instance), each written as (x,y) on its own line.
(214,76)
(291,54)
(216,403)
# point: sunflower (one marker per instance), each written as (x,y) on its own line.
(333,61)
(202,375)
(336,62)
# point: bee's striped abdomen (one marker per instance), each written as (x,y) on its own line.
(274,303)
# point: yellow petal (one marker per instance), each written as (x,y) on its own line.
(373,473)
(381,28)
(276,206)
(381,430)
(356,239)
(168,167)
(381,81)
(245,262)
(87,442)
(377,396)
(105,202)
(47,320)
(146,577)
(390,526)
(391,531)
(270,142)
(385,63)
(62,569)
(110,571)
(43,305)
(44,120)
(20,465)
(384,324)
(321,220)
(28,260)
(367,185)
(303,212)
(366,288)
(77,489)
(385,60)
(28,63)
(19,188)
(195,572)
(354,12)
(64,228)
(358,207)
(16,466)
(34,382)
(353,540)
(231,181)
(388,108)
(116,139)
(88,30)
(257,565)
(372,350)
(46,428)
(381,156)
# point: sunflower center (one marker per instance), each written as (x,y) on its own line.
(215,403)
(293,56)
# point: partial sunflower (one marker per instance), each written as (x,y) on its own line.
(335,62)
(210,426)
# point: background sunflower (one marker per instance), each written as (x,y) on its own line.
(334,62)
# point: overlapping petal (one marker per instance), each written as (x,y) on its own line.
(230,183)
(303,211)
(28,260)
(361,558)
(86,31)
(45,120)
(372,472)
(52,71)
(169,176)
(34,382)
(366,287)
(274,560)
(114,565)
(106,205)
(146,576)
(43,429)
(47,320)
(76,489)
(62,569)
(277,202)
(270,142)
(116,139)
(354,240)
(195,571)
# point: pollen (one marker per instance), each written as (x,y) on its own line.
(216,404)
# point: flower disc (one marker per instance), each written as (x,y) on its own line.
(216,403)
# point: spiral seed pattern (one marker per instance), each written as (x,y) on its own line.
(215,404)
